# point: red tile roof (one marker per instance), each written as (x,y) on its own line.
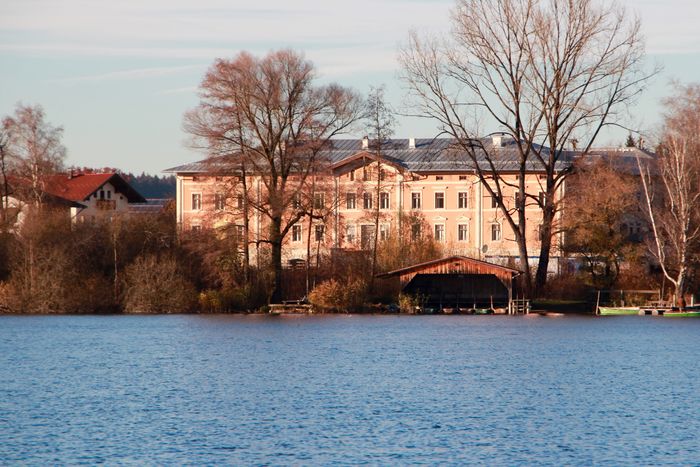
(79,187)
(76,188)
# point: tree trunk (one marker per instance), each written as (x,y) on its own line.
(116,265)
(376,224)
(525,267)
(4,202)
(276,259)
(548,214)
(246,228)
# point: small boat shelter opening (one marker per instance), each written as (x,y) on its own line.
(459,282)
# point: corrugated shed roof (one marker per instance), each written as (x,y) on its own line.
(483,266)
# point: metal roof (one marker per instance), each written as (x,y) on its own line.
(429,155)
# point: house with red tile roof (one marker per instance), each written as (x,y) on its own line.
(99,194)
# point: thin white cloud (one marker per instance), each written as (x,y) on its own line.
(183,90)
(273,23)
(137,73)
(331,61)
(77,49)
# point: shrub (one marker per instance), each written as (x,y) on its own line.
(332,295)
(244,298)
(410,303)
(155,285)
(6,298)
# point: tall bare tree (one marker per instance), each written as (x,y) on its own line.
(672,190)
(33,150)
(545,72)
(380,123)
(268,113)
(4,159)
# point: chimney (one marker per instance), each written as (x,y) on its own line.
(411,143)
(365,142)
(497,140)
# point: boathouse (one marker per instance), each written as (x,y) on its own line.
(458,282)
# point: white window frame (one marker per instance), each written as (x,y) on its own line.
(367,200)
(350,196)
(462,229)
(196,206)
(439,232)
(297,234)
(219,201)
(498,231)
(442,199)
(350,233)
(416,200)
(319,200)
(384,200)
(463,200)
(384,230)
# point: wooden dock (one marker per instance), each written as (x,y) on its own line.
(290,308)
(519,305)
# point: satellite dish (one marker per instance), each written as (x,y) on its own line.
(484,248)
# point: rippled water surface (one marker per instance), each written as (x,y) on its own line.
(349,390)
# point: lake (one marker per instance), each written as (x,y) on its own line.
(250,390)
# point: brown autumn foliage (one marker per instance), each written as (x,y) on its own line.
(411,243)
(155,284)
(335,296)
(603,221)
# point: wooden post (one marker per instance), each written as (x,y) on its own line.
(597,304)
(511,311)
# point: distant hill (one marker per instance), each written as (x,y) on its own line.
(153,186)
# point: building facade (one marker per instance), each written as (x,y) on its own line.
(413,187)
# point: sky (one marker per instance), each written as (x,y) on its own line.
(118,75)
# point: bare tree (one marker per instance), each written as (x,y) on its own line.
(4,159)
(268,113)
(546,72)
(380,123)
(672,190)
(320,205)
(34,150)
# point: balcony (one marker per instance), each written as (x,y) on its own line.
(106,204)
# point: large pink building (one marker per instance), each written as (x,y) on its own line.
(419,185)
